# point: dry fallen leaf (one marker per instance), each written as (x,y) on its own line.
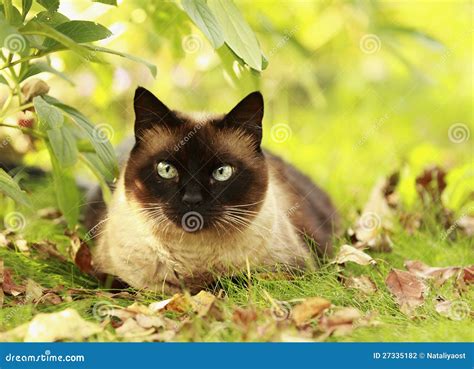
(34,291)
(202,302)
(48,250)
(439,274)
(350,253)
(147,321)
(407,288)
(131,330)
(8,286)
(309,309)
(244,317)
(59,326)
(362,283)
(180,303)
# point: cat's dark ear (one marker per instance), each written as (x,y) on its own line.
(248,115)
(150,111)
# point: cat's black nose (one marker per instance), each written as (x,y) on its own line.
(192,198)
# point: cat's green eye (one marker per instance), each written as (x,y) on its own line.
(223,173)
(166,170)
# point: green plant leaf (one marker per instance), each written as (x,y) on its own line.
(49,116)
(52,19)
(36,28)
(10,188)
(12,14)
(50,5)
(150,66)
(103,148)
(237,33)
(80,32)
(63,145)
(96,166)
(107,2)
(67,193)
(41,67)
(202,16)
(25,7)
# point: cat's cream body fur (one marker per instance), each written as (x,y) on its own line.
(145,257)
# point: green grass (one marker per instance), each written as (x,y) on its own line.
(427,325)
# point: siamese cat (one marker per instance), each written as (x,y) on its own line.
(199,198)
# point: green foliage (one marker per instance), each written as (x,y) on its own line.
(202,16)
(62,128)
(9,187)
(221,21)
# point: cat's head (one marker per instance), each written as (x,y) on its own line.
(197,174)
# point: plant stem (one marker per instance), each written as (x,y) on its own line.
(25,130)
(26,58)
(17,109)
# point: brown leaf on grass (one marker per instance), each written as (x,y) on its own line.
(362,283)
(48,250)
(244,316)
(180,303)
(202,302)
(59,326)
(349,253)
(439,274)
(132,331)
(341,322)
(147,321)
(407,288)
(83,259)
(468,274)
(431,182)
(34,291)
(308,309)
(8,285)
(454,310)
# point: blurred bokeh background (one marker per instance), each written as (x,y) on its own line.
(354,90)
